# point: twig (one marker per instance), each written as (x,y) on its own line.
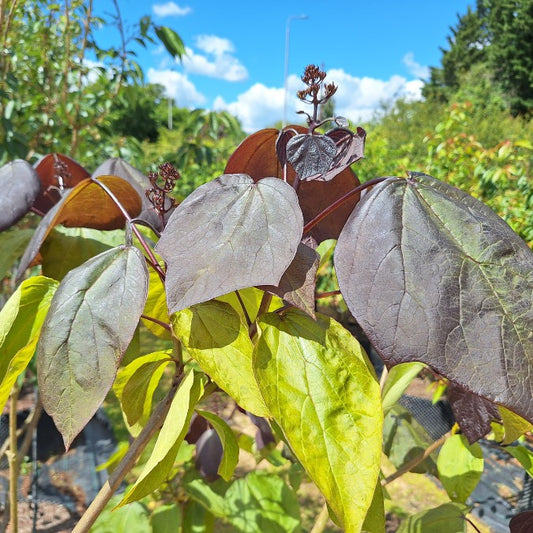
(321,520)
(13,460)
(417,460)
(335,205)
(128,461)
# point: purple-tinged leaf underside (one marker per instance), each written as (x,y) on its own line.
(473,413)
(229,234)
(20,187)
(297,285)
(91,321)
(433,275)
(311,155)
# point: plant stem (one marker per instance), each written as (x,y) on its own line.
(321,520)
(158,322)
(335,205)
(263,308)
(138,234)
(128,461)
(417,460)
(13,460)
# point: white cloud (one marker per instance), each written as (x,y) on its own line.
(221,64)
(357,99)
(170,9)
(211,44)
(414,68)
(177,86)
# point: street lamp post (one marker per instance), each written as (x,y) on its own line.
(286,74)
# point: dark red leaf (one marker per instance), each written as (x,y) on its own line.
(256,156)
(56,172)
(473,413)
(522,523)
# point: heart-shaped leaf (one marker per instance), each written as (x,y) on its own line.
(257,157)
(56,172)
(297,285)
(216,336)
(321,389)
(446,518)
(90,323)
(20,187)
(118,167)
(433,275)
(460,467)
(87,205)
(311,155)
(322,157)
(229,234)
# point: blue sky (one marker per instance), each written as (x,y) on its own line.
(375,50)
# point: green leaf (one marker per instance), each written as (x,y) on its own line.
(252,231)
(251,297)
(81,243)
(12,244)
(91,321)
(196,519)
(375,518)
(21,320)
(170,437)
(171,41)
(136,383)
(166,519)
(322,391)
(398,379)
(514,425)
(446,518)
(230,446)
(217,337)
(404,439)
(460,466)
(156,306)
(433,275)
(257,503)
(523,455)
(133,519)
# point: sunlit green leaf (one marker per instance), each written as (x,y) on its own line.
(132,519)
(523,455)
(21,320)
(156,306)
(166,519)
(514,425)
(398,380)
(446,518)
(460,466)
(230,457)
(91,321)
(170,437)
(171,41)
(136,383)
(322,391)
(216,336)
(375,518)
(257,503)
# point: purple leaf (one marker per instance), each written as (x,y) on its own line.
(433,275)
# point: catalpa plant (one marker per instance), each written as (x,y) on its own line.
(429,273)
